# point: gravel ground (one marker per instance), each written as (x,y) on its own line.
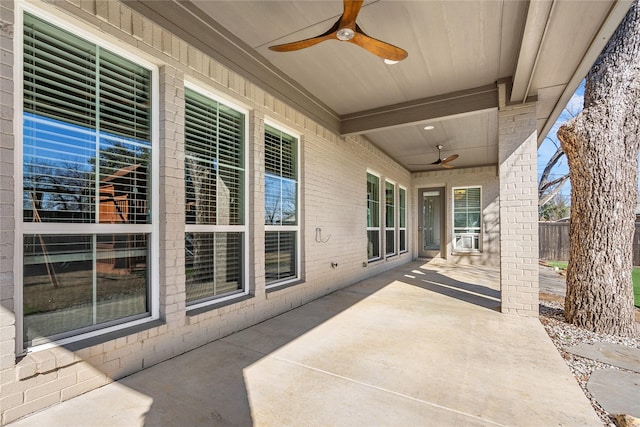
(565,335)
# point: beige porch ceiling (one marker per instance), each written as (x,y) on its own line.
(458,51)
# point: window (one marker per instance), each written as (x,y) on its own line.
(402,219)
(87,186)
(215,199)
(467,219)
(373,217)
(390,218)
(281,207)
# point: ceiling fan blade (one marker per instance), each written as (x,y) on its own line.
(301,44)
(351,10)
(444,165)
(346,29)
(450,158)
(378,47)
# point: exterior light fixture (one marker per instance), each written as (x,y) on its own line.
(429,127)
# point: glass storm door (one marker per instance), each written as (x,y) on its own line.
(431,222)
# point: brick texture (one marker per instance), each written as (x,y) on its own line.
(8,398)
(333,199)
(487,178)
(517,156)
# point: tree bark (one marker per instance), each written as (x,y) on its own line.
(601,145)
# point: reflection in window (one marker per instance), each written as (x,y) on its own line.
(281,206)
(467,219)
(213,264)
(390,218)
(214,186)
(79,283)
(86,161)
(402,218)
(373,217)
(280,255)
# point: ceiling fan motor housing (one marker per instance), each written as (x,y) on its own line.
(345,34)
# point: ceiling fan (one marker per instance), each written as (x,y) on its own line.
(442,162)
(346,29)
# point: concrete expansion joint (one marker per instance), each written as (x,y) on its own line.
(395,393)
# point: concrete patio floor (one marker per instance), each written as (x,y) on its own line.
(421,345)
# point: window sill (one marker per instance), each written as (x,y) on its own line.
(110,336)
(277,287)
(217,304)
(50,357)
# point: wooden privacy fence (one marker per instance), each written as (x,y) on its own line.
(554,242)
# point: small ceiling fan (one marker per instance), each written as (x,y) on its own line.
(442,162)
(346,29)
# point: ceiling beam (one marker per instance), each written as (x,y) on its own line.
(617,13)
(535,30)
(450,104)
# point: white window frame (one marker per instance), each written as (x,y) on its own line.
(23,228)
(394,227)
(380,217)
(296,228)
(468,236)
(402,217)
(197,228)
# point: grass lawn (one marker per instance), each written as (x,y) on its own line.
(635,277)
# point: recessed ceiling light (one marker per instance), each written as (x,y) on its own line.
(429,127)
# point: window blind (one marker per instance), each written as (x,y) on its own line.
(86,142)
(281,176)
(373,217)
(280,255)
(390,204)
(467,213)
(86,134)
(214,263)
(466,207)
(214,144)
(402,218)
(281,206)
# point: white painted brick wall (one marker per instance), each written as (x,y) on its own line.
(8,398)
(333,176)
(172,196)
(517,155)
(486,177)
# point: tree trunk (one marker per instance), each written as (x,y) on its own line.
(602,145)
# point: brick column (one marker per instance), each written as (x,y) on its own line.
(172,197)
(517,158)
